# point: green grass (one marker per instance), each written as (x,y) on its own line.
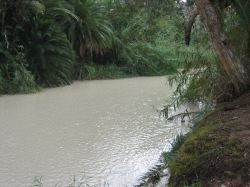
(207,152)
(176,145)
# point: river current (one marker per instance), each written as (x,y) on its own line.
(104,132)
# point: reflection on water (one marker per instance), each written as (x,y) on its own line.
(106,131)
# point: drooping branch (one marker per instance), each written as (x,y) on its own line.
(189,25)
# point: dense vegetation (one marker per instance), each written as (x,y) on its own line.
(53,42)
(213,72)
(212,154)
(48,43)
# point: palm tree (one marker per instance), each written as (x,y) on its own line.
(86,25)
(49,53)
(95,31)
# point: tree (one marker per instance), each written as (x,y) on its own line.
(230,59)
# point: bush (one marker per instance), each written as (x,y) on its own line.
(14,77)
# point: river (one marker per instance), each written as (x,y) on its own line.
(103,132)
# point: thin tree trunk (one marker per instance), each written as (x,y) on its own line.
(189,25)
(248,45)
(227,54)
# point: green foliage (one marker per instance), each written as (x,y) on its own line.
(201,77)
(40,28)
(176,145)
(237,32)
(20,81)
(89,31)
(111,39)
(242,8)
(14,77)
(130,37)
(46,57)
(49,53)
(197,79)
(146,59)
(144,43)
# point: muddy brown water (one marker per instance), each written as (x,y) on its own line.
(105,132)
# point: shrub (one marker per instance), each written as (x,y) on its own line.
(14,77)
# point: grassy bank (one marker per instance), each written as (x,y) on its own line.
(216,152)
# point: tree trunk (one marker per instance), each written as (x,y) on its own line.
(248,45)
(225,51)
(189,26)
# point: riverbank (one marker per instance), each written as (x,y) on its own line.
(28,84)
(217,151)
